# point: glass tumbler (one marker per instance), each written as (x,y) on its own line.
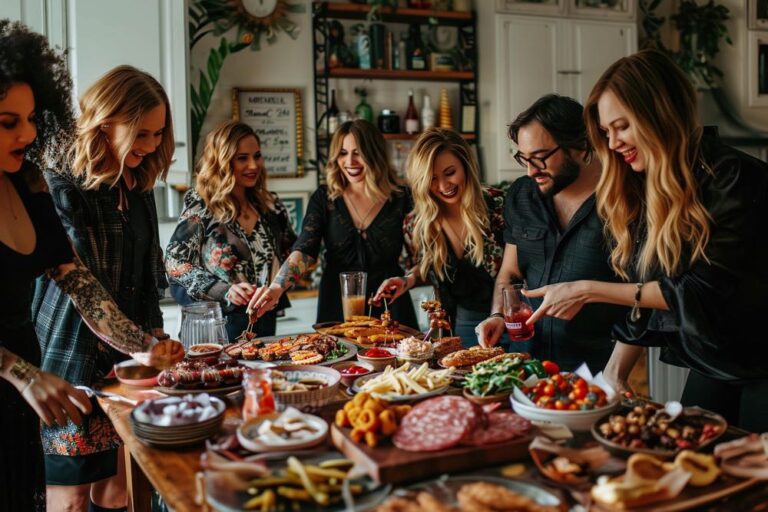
(353,288)
(517,310)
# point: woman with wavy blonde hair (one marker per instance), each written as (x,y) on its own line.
(455,231)
(358,215)
(114,106)
(232,232)
(104,198)
(686,215)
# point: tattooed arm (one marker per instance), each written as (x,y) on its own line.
(96,307)
(266,297)
(52,398)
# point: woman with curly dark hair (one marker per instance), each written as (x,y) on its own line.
(36,121)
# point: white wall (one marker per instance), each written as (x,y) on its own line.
(288,63)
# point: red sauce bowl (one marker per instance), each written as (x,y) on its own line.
(348,378)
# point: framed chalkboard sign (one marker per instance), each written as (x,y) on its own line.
(275,115)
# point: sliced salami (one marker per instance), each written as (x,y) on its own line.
(502,426)
(437,424)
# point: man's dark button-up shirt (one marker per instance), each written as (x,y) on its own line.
(548,254)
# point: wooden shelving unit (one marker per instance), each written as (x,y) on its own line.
(466,79)
(408,136)
(397,74)
(351,11)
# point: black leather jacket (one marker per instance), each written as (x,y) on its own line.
(717,307)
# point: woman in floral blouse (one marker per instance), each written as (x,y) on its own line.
(454,231)
(232,233)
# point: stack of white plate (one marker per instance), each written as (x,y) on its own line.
(179,435)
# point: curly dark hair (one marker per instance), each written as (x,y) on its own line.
(26,57)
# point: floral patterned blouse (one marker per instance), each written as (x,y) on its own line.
(206,256)
(466,284)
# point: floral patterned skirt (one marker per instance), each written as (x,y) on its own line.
(96,434)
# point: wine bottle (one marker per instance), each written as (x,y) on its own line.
(402,52)
(427,114)
(411,117)
(333,115)
(417,52)
(363,110)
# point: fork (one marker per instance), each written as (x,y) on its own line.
(105,394)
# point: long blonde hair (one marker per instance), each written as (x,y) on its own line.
(215,180)
(661,105)
(380,177)
(427,234)
(122,95)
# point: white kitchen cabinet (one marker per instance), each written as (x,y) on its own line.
(101,34)
(539,55)
(595,9)
(148,34)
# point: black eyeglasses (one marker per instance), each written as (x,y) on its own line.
(537,162)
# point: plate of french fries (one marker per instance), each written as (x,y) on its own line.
(404,383)
(326,482)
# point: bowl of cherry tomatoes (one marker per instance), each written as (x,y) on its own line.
(564,398)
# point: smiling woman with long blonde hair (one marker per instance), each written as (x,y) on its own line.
(455,231)
(686,215)
(358,215)
(233,231)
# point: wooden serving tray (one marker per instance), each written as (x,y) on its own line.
(403,329)
(390,465)
(693,497)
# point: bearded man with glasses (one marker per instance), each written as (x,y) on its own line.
(553,234)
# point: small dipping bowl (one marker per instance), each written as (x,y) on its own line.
(379,363)
(348,379)
(204,350)
(132,373)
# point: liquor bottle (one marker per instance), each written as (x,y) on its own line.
(411,117)
(402,52)
(417,52)
(333,115)
(363,110)
(363,50)
(446,118)
(427,114)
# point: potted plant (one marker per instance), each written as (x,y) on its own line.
(701,29)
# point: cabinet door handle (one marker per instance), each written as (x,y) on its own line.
(568,72)
(180,144)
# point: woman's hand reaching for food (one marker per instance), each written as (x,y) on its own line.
(264,299)
(240,293)
(55,400)
(561,300)
(390,289)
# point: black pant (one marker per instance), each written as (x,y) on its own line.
(237,322)
(741,404)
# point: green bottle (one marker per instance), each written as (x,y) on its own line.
(363,110)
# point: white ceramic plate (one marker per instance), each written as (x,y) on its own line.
(226,492)
(247,434)
(445,488)
(392,397)
(350,354)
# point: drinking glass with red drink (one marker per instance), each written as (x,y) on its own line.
(259,400)
(517,310)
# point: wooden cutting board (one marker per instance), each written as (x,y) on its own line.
(389,464)
(693,497)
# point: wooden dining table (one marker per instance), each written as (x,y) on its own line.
(174,473)
(177,476)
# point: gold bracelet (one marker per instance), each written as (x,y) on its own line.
(634,315)
(21,369)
